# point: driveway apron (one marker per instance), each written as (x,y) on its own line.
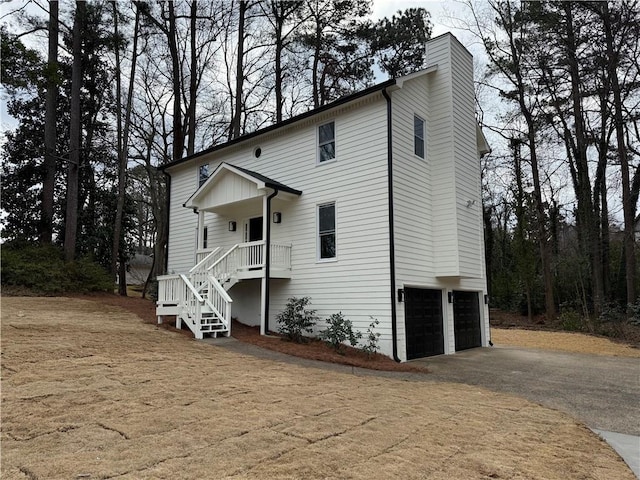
(601,391)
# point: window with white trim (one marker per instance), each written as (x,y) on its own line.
(418,136)
(203,174)
(326,142)
(327,231)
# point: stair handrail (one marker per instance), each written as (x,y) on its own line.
(205,259)
(220,289)
(192,288)
(209,300)
(229,252)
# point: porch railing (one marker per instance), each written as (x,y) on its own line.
(281,256)
(170,290)
(247,256)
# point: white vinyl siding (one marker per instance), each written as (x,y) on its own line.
(183,223)
(357,183)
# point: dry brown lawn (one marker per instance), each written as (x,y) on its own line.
(90,391)
(562,341)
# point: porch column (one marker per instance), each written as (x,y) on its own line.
(263,289)
(200,244)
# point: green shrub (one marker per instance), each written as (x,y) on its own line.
(339,330)
(42,270)
(296,319)
(370,346)
(571,321)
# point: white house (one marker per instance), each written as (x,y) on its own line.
(369,205)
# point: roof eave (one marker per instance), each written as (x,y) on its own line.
(290,121)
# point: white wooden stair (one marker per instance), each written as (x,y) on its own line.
(200,298)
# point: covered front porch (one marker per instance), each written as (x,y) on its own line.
(234,243)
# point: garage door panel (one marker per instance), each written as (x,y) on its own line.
(423,322)
(466,320)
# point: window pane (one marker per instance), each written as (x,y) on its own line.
(328,245)
(418,127)
(327,218)
(327,152)
(327,132)
(203,174)
(418,136)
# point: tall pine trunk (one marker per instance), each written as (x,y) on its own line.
(628,208)
(117,254)
(237,115)
(588,220)
(75,136)
(193,83)
(543,243)
(50,131)
(279,20)
(178,133)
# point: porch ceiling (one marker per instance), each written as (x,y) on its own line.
(229,186)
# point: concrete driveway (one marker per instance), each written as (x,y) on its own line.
(601,391)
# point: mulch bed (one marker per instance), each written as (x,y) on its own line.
(318,350)
(313,350)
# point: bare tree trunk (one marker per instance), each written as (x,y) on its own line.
(193,83)
(514,73)
(178,133)
(50,131)
(279,21)
(75,141)
(316,62)
(627,207)
(123,147)
(235,123)
(545,251)
(585,205)
(158,194)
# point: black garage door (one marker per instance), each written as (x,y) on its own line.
(423,322)
(466,320)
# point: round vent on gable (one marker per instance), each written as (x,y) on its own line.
(257,152)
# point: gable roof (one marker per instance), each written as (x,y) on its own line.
(260,181)
(266,180)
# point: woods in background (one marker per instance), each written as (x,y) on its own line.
(561,202)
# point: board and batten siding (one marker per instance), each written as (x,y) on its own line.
(357,283)
(438,238)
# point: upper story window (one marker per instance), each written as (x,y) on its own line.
(418,136)
(326,142)
(203,174)
(327,231)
